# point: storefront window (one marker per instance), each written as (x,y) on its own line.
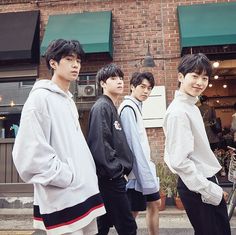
(12,98)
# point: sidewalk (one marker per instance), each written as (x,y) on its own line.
(172,221)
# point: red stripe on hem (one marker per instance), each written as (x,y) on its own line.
(38,218)
(74,220)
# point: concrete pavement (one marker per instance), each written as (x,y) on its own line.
(172,221)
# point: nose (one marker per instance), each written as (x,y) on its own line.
(75,64)
(200,82)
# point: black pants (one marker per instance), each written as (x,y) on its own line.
(118,208)
(206,219)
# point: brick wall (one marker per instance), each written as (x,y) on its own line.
(135,24)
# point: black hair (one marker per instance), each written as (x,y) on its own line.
(60,48)
(203,98)
(109,70)
(137,78)
(197,63)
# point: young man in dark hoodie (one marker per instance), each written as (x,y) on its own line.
(111,153)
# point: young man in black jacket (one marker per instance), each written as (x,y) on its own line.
(111,153)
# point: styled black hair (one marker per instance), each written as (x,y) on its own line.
(60,48)
(137,78)
(109,70)
(197,63)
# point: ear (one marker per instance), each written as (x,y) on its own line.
(102,84)
(132,88)
(180,77)
(52,64)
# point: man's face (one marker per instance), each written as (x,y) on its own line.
(113,86)
(68,68)
(193,84)
(142,91)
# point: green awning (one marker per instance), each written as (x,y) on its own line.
(207,24)
(92,29)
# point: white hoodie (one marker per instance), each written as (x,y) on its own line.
(50,152)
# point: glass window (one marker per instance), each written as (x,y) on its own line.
(12,98)
(87,79)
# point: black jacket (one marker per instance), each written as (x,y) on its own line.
(107,141)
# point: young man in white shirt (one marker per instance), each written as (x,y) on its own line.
(188,153)
(143,186)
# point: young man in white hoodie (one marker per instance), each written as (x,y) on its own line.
(143,186)
(188,152)
(50,150)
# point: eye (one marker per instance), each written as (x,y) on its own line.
(205,78)
(68,58)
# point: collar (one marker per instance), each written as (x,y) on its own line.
(137,102)
(185,97)
(107,98)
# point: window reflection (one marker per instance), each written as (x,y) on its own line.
(12,98)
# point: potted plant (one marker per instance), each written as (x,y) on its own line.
(178,202)
(168,187)
(167,184)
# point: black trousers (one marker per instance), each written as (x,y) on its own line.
(118,208)
(206,219)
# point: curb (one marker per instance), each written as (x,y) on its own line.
(171,210)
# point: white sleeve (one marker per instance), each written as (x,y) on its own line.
(179,146)
(35,160)
(141,166)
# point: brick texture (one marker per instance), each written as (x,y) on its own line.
(135,24)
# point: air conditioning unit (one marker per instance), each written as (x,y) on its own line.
(87,90)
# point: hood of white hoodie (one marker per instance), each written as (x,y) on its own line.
(51,86)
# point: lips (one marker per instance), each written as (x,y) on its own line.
(197,88)
(75,73)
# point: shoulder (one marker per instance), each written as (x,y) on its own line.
(38,101)
(101,104)
(102,107)
(176,109)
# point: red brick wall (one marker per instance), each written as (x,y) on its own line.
(135,23)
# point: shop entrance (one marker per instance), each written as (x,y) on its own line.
(221,93)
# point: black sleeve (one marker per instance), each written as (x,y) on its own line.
(100,141)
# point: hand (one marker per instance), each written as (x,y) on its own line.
(225,195)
